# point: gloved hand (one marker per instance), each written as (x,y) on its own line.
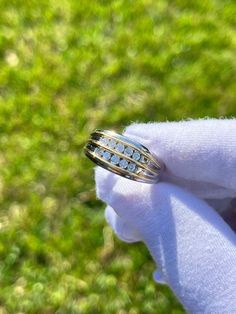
(178,218)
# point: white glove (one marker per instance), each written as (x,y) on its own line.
(193,246)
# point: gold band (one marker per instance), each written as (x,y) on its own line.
(123,156)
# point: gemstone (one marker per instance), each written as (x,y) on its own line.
(136,155)
(105,140)
(112,143)
(123,163)
(143,159)
(128,151)
(98,151)
(131,167)
(115,159)
(106,155)
(120,147)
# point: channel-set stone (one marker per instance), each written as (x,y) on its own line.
(106,155)
(123,163)
(136,156)
(120,147)
(105,140)
(112,143)
(98,151)
(143,159)
(115,159)
(131,167)
(128,151)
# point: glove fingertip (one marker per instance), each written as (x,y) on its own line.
(104,181)
(123,231)
(136,129)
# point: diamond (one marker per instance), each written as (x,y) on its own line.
(136,155)
(104,140)
(120,147)
(128,151)
(115,159)
(98,151)
(106,155)
(131,167)
(123,163)
(112,143)
(143,159)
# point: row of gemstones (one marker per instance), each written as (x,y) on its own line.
(115,159)
(121,148)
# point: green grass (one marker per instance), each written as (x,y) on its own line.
(66,68)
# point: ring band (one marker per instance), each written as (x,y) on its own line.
(123,156)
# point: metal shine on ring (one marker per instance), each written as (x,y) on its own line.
(123,156)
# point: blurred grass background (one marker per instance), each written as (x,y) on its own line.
(66,68)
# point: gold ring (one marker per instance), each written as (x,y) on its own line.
(123,156)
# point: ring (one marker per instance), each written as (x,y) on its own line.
(123,156)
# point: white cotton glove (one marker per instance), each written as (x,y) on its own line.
(178,219)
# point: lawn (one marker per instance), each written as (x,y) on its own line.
(66,68)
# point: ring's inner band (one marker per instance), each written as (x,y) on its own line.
(123,156)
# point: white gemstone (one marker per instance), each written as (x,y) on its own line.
(112,143)
(131,167)
(123,163)
(120,147)
(142,159)
(106,155)
(115,159)
(98,151)
(136,155)
(104,140)
(128,151)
